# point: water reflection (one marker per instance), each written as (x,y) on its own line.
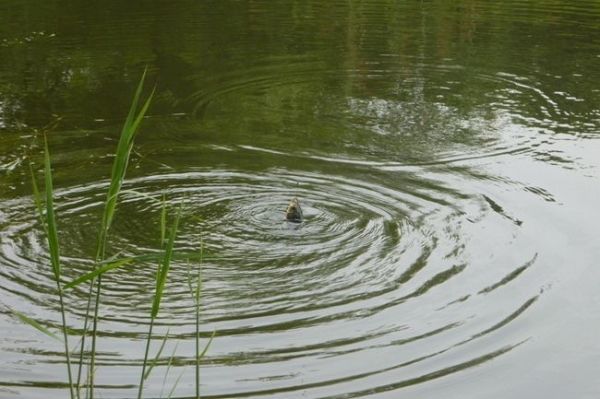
(444,154)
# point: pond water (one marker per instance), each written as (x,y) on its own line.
(446,155)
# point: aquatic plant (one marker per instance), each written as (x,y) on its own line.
(119,168)
(102,265)
(48,221)
(195,286)
(161,278)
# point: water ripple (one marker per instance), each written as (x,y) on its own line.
(369,271)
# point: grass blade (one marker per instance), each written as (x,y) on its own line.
(161,278)
(119,168)
(194,292)
(175,386)
(210,340)
(189,278)
(161,275)
(48,220)
(50,216)
(155,361)
(122,156)
(163,222)
(169,364)
(106,267)
(34,324)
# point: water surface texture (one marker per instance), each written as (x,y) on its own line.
(446,155)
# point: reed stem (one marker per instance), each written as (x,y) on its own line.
(65,338)
(198,288)
(94,334)
(145,358)
(85,329)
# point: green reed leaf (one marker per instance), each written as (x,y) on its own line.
(34,324)
(163,221)
(48,221)
(105,267)
(169,365)
(195,285)
(207,345)
(119,168)
(199,277)
(189,278)
(155,361)
(175,386)
(122,157)
(50,216)
(161,275)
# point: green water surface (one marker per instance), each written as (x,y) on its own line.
(446,155)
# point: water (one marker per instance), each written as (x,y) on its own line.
(445,155)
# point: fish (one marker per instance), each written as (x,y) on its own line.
(293,212)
